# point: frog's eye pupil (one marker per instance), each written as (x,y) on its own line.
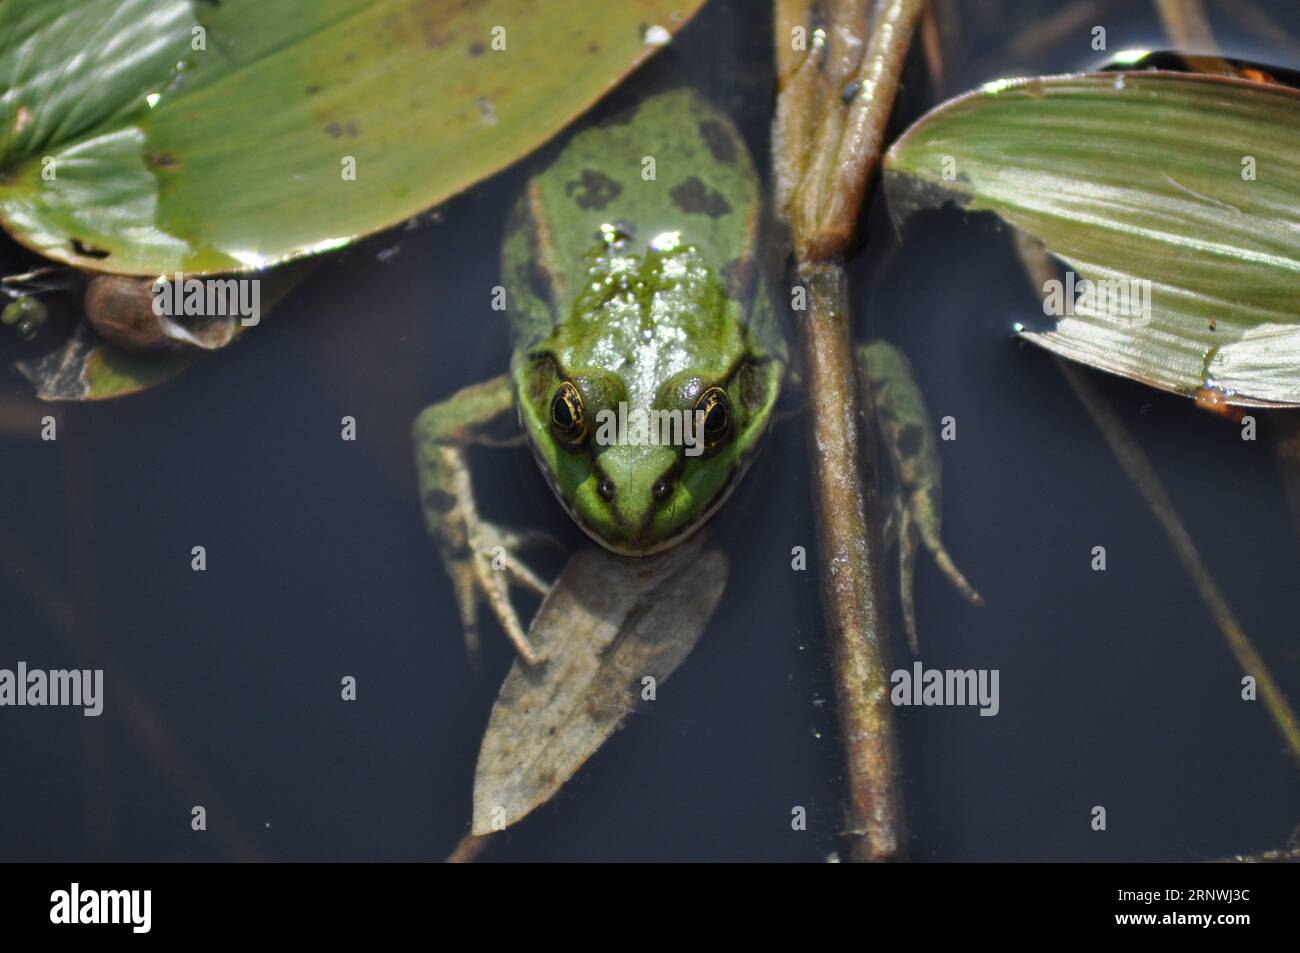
(562,414)
(716,420)
(567,416)
(716,408)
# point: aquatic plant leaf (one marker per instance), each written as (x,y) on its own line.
(86,367)
(608,622)
(1188,182)
(154,136)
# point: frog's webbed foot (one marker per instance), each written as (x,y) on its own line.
(916,522)
(483,572)
(480,557)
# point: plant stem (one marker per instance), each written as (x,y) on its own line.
(849,540)
(1135,463)
(1040,268)
(832,110)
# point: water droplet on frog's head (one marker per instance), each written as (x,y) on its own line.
(616,234)
(656,36)
(666,241)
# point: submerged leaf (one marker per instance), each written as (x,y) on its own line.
(1188,185)
(87,367)
(155,136)
(608,622)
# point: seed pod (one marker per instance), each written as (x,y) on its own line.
(120,309)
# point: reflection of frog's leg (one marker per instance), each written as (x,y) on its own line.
(479,556)
(905,427)
(907,537)
(924,507)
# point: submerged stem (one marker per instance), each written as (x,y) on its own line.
(827,136)
(1133,459)
(849,540)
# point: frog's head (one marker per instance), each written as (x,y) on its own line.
(645,415)
(639,479)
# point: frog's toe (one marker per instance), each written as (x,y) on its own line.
(494,584)
(949,569)
(519,540)
(495,568)
(906,583)
(463,586)
(524,576)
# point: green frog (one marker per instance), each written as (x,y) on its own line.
(914,511)
(647,360)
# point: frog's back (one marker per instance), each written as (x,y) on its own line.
(672,164)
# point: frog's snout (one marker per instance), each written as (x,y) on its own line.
(633,486)
(660,490)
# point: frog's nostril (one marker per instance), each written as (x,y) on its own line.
(661,489)
(605,488)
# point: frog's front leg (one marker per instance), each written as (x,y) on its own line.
(904,423)
(479,556)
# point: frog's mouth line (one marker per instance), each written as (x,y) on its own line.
(671,541)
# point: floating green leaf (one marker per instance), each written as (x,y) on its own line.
(1190,183)
(155,136)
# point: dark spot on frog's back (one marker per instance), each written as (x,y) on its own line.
(440,501)
(594,190)
(695,197)
(719,142)
(909,440)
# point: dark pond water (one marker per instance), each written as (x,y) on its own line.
(1116,688)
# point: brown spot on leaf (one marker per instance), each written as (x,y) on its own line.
(693,196)
(719,142)
(340,129)
(162,160)
(594,190)
(88,251)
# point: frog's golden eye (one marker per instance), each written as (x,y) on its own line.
(713,410)
(568,418)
